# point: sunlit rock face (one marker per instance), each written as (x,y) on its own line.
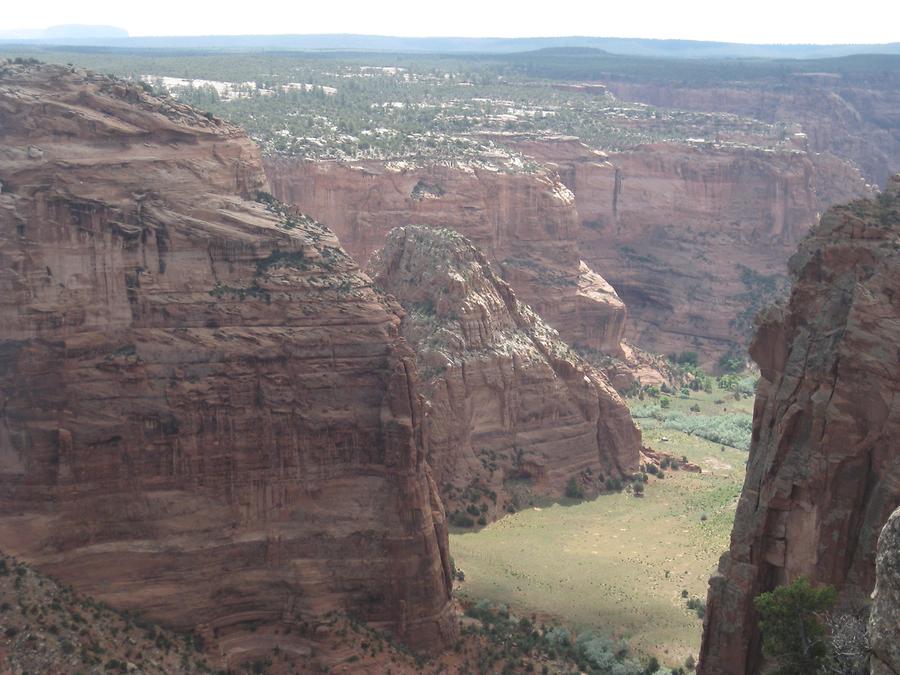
(525,222)
(206,412)
(509,400)
(824,470)
(694,237)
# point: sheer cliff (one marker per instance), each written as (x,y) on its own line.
(824,471)
(694,237)
(206,412)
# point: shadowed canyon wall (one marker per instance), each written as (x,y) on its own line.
(207,414)
(824,471)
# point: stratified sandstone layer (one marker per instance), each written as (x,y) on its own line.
(524,221)
(207,413)
(693,237)
(824,468)
(884,619)
(509,400)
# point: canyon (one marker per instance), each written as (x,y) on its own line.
(823,473)
(246,390)
(509,402)
(523,221)
(208,414)
(672,246)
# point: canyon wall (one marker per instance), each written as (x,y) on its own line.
(691,238)
(694,237)
(525,222)
(508,399)
(852,116)
(824,472)
(207,414)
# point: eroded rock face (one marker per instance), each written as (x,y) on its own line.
(884,619)
(693,238)
(509,400)
(824,468)
(207,414)
(525,222)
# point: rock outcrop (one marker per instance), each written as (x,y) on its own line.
(524,221)
(824,468)
(206,412)
(884,619)
(694,237)
(509,400)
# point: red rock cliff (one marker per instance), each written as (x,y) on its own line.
(525,223)
(694,238)
(509,400)
(207,413)
(824,468)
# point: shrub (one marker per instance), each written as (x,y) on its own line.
(461,520)
(732,429)
(665,402)
(573,489)
(639,488)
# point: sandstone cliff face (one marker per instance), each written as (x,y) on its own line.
(693,238)
(206,411)
(824,471)
(525,222)
(884,619)
(509,400)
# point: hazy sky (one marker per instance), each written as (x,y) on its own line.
(759,21)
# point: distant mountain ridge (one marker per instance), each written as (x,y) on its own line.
(66,32)
(116,37)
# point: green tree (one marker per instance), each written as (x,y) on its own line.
(573,489)
(793,634)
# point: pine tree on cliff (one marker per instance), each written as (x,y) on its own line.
(793,635)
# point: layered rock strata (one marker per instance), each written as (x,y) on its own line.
(524,221)
(207,413)
(694,237)
(824,468)
(509,400)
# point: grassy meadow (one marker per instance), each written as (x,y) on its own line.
(619,564)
